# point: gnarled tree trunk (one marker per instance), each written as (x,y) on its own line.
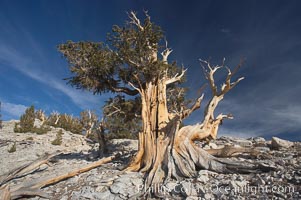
(131,58)
(167,151)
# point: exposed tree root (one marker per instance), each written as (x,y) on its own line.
(5,193)
(229,151)
(182,158)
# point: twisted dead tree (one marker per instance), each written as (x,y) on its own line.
(40,114)
(134,61)
(54,118)
(88,120)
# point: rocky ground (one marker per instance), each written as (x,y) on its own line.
(109,182)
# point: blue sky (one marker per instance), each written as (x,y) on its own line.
(266,33)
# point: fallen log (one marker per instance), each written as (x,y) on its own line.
(25,169)
(73,173)
(33,188)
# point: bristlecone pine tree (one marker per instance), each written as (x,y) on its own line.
(134,61)
(65,121)
(26,123)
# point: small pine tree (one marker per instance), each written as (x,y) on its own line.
(58,139)
(26,123)
(76,126)
(29,138)
(53,119)
(42,130)
(65,121)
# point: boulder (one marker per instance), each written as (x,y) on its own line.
(203,176)
(278,143)
(128,184)
(258,139)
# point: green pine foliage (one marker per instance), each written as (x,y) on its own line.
(65,121)
(26,123)
(42,130)
(58,139)
(124,57)
(29,138)
(122,117)
(129,58)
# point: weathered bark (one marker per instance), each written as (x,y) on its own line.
(165,150)
(100,131)
(230,151)
(88,120)
(5,193)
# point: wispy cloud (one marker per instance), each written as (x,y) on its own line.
(34,62)
(21,63)
(11,110)
(265,103)
(225,30)
(261,117)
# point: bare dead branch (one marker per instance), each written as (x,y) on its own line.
(222,116)
(166,52)
(139,81)
(132,85)
(125,90)
(176,78)
(228,85)
(117,110)
(196,106)
(135,20)
(114,112)
(209,75)
(134,63)
(209,72)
